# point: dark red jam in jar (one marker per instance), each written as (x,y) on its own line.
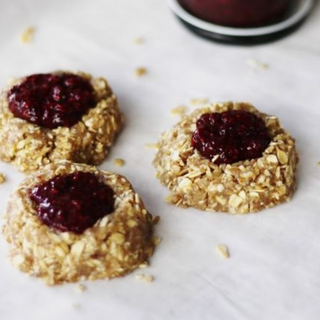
(73,202)
(52,100)
(240,13)
(230,136)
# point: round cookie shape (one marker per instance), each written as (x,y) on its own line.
(114,246)
(85,137)
(240,187)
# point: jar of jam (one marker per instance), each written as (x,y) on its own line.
(242,21)
(240,13)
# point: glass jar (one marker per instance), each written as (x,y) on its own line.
(240,13)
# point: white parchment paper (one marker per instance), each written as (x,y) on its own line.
(274,266)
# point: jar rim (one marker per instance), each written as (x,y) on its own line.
(298,15)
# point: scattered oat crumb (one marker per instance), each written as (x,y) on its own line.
(81,287)
(149,278)
(2,178)
(138,40)
(198,101)
(27,35)
(141,71)
(145,277)
(119,162)
(144,265)
(156,240)
(75,305)
(257,65)
(155,220)
(152,146)
(223,251)
(179,111)
(319,163)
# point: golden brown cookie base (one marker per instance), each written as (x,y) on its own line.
(242,187)
(29,146)
(114,246)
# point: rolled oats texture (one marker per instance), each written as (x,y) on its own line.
(154,146)
(140,72)
(117,244)
(81,287)
(144,277)
(179,111)
(223,251)
(2,178)
(29,147)
(27,35)
(119,162)
(198,101)
(241,187)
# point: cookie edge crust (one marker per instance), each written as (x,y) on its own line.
(116,245)
(242,187)
(29,146)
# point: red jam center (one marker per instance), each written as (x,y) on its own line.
(232,136)
(73,202)
(52,100)
(240,13)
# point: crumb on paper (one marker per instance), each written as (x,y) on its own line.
(152,146)
(156,241)
(81,287)
(319,163)
(119,162)
(140,71)
(75,305)
(155,220)
(2,178)
(223,251)
(144,265)
(27,35)
(198,101)
(144,277)
(138,40)
(257,65)
(179,111)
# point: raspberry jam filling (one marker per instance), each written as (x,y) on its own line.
(73,202)
(52,100)
(230,136)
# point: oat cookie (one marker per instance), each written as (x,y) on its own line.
(30,146)
(114,246)
(240,187)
